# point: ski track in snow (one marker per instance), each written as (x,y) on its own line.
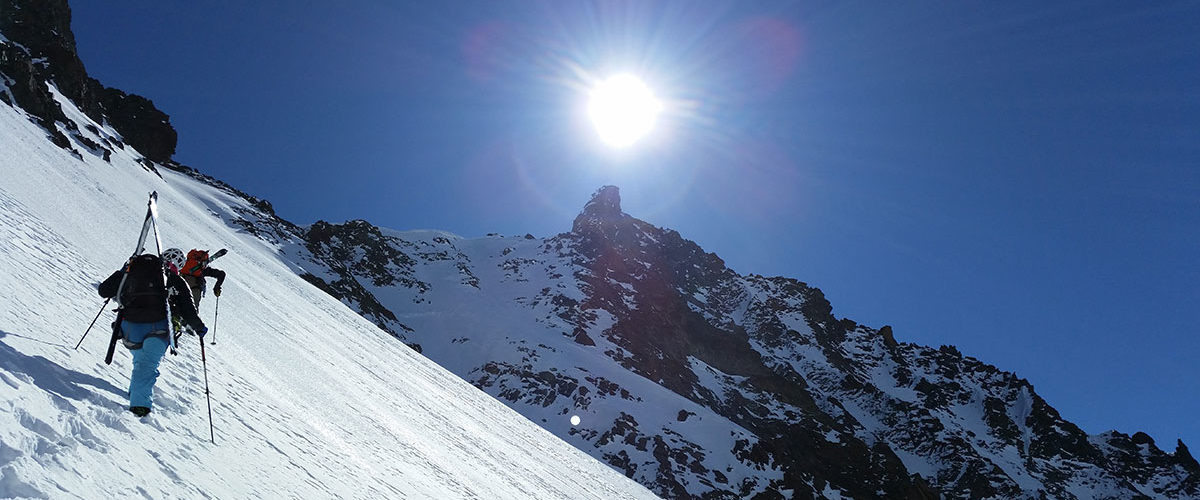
(309,400)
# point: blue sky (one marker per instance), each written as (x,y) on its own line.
(1019,179)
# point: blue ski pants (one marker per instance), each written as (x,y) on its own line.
(146,359)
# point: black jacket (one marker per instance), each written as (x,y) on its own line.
(181,302)
(209,272)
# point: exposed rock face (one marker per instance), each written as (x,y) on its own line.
(601,211)
(357,250)
(1184,458)
(667,330)
(141,124)
(38,49)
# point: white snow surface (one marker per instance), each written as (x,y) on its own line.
(309,400)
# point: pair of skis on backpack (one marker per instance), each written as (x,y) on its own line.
(150,224)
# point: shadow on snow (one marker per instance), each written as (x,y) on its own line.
(51,376)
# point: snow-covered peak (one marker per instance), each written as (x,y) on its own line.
(697,381)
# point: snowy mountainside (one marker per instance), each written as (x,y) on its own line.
(702,383)
(693,380)
(309,400)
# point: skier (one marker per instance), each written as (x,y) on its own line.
(195,268)
(144,285)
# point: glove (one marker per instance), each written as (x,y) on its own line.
(201,332)
(217,291)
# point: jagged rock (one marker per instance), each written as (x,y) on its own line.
(1184,458)
(618,252)
(889,338)
(42,28)
(581,337)
(143,126)
(604,207)
(30,92)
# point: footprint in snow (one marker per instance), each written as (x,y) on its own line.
(36,425)
(12,484)
(114,419)
(165,404)
(170,472)
(8,454)
(84,435)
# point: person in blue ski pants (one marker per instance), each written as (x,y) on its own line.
(143,313)
(152,337)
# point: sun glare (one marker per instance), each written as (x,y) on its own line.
(623,109)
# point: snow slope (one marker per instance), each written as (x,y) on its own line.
(309,400)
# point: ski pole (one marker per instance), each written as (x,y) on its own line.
(216,311)
(203,361)
(89,328)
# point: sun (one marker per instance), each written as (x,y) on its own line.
(623,109)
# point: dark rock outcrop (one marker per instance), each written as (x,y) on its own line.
(142,125)
(360,256)
(41,50)
(663,334)
(1184,458)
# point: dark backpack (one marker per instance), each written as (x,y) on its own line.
(143,293)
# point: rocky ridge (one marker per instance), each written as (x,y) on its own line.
(813,405)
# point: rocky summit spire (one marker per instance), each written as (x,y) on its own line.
(1184,458)
(606,201)
(605,206)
